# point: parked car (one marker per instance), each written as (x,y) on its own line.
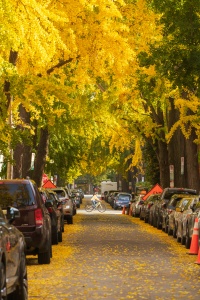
(68,206)
(59,206)
(75,196)
(185,228)
(112,198)
(162,205)
(145,209)
(12,257)
(55,214)
(34,221)
(121,200)
(107,195)
(152,212)
(72,200)
(180,201)
(169,209)
(136,205)
(81,194)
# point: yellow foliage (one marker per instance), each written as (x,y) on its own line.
(189,118)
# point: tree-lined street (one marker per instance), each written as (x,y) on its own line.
(114,256)
(96,88)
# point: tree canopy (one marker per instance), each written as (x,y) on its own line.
(99,78)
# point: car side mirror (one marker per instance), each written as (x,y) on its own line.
(193,206)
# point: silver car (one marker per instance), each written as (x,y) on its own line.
(136,205)
(188,221)
(66,203)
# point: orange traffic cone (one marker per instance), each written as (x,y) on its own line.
(194,247)
(198,258)
(124,210)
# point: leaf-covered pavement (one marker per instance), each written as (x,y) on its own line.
(112,257)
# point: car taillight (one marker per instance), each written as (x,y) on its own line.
(38,217)
(50,210)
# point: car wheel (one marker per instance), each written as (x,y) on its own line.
(178,238)
(44,258)
(60,236)
(187,239)
(21,292)
(158,223)
(183,240)
(54,235)
(166,226)
(70,219)
(169,230)
(63,224)
(3,291)
(174,232)
(154,222)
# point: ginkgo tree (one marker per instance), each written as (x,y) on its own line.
(111,74)
(53,43)
(160,100)
(176,58)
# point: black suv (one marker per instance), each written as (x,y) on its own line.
(161,206)
(34,221)
(13,271)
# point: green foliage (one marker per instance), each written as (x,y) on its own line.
(177,56)
(152,171)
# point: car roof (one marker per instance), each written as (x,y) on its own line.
(168,192)
(15,181)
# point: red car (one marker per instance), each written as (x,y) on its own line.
(34,221)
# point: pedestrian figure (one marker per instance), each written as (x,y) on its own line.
(95,199)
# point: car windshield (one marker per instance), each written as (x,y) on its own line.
(16,195)
(124,197)
(170,193)
(60,193)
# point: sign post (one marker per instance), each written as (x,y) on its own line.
(171,174)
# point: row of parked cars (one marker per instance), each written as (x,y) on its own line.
(174,211)
(117,199)
(31,221)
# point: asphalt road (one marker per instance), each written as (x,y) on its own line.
(114,256)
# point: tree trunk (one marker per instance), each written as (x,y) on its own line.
(176,147)
(22,152)
(18,158)
(40,158)
(192,166)
(163,163)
